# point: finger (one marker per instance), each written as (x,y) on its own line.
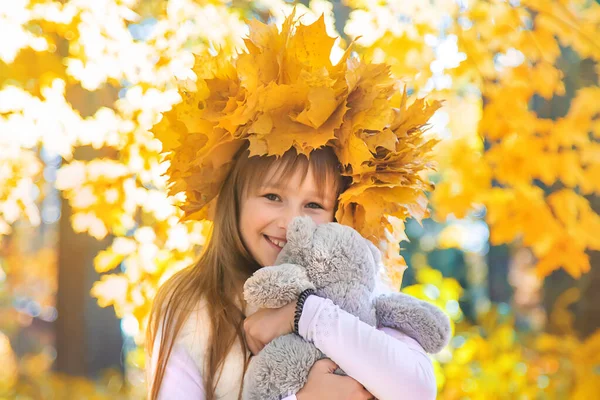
(259,346)
(362,395)
(367,395)
(252,345)
(358,391)
(326,364)
(372,397)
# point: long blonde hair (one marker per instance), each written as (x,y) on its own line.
(225,264)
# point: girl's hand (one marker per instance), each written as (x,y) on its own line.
(267,324)
(322,383)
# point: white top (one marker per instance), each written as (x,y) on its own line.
(386,362)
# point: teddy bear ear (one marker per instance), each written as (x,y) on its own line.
(300,231)
(375,251)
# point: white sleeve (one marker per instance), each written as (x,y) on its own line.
(386,362)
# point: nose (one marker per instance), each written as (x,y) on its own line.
(288,214)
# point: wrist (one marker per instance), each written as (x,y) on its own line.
(299,307)
(288,317)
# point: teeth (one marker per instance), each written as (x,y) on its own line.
(276,242)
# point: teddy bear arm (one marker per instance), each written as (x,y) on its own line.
(276,286)
(422,321)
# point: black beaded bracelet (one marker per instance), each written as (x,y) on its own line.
(299,306)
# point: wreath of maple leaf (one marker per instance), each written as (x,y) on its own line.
(285,92)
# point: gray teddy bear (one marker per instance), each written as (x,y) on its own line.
(341,265)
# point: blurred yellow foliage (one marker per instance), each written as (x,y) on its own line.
(511,56)
(9,373)
(66,59)
(141,48)
(97,74)
(491,359)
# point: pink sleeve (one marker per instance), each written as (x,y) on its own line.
(182,380)
(386,362)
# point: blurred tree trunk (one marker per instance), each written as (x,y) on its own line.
(578,73)
(588,308)
(88,338)
(498,261)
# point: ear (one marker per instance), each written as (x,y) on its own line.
(300,232)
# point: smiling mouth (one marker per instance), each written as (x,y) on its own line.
(275,243)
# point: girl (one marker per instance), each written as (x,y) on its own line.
(198,331)
(276,102)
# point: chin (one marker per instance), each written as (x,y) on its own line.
(268,263)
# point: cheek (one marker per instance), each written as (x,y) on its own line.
(254,216)
(246,219)
(323,218)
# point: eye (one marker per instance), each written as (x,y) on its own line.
(271,196)
(315,204)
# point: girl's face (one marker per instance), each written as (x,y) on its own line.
(265,215)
